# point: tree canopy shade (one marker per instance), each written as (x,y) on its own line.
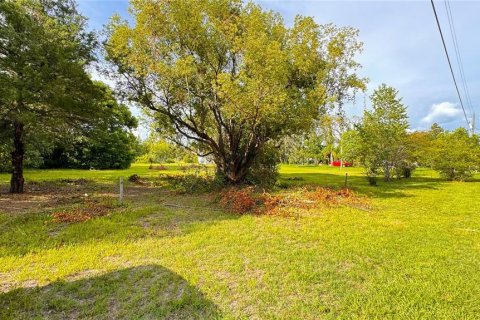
(227,79)
(44,50)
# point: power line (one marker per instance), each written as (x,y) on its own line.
(450,64)
(456,46)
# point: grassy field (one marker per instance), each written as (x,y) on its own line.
(415,254)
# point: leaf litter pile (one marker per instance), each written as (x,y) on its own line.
(245,200)
(90,209)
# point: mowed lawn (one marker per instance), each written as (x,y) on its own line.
(415,254)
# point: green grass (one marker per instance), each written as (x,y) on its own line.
(97,175)
(415,255)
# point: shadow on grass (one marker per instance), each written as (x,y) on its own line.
(144,292)
(393,189)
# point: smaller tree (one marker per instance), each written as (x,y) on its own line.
(382,135)
(455,154)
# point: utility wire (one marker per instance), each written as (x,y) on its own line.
(453,32)
(450,65)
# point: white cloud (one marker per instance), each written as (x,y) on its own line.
(443,112)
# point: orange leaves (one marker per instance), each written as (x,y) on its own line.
(243,200)
(238,200)
(311,198)
(89,210)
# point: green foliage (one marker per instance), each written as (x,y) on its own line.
(226,78)
(106,143)
(45,50)
(351,145)
(302,149)
(320,144)
(381,137)
(192,183)
(156,149)
(420,145)
(44,87)
(455,154)
(264,171)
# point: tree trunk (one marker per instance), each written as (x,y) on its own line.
(16,183)
(387,171)
(235,167)
(234,173)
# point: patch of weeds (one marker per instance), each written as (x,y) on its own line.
(135,178)
(282,185)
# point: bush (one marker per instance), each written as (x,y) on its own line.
(404,170)
(407,172)
(372,180)
(456,155)
(453,174)
(134,178)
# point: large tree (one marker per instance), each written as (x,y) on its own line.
(44,50)
(227,78)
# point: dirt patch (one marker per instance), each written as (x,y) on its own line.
(27,202)
(45,195)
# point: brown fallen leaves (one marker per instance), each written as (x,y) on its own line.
(243,200)
(90,209)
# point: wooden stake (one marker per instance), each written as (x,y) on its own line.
(120,197)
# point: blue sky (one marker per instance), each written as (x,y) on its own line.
(402,48)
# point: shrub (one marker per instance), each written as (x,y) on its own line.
(456,155)
(404,170)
